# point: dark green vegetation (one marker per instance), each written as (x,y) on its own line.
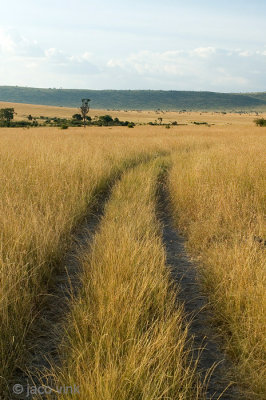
(7,115)
(77,120)
(136,99)
(260,121)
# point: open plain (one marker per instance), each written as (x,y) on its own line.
(102,307)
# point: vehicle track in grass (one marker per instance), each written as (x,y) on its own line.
(212,361)
(47,331)
(48,328)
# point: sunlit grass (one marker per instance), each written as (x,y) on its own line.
(124,337)
(218,197)
(50,180)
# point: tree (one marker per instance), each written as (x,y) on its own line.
(85,109)
(30,118)
(7,114)
(78,117)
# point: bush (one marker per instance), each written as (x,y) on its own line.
(130,125)
(78,117)
(260,122)
(16,124)
(64,126)
(106,120)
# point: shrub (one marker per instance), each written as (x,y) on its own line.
(260,122)
(77,117)
(106,120)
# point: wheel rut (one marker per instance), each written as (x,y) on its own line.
(213,366)
(48,328)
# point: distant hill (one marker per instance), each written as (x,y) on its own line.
(259,95)
(136,99)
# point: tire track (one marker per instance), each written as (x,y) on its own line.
(213,365)
(47,331)
(48,328)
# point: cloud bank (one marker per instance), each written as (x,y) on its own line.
(26,62)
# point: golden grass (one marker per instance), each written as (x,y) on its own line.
(50,180)
(218,197)
(124,337)
(23,110)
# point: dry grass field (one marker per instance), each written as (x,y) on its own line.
(124,335)
(218,199)
(23,110)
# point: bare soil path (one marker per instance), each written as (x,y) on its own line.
(185,275)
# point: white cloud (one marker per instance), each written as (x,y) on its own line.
(50,63)
(201,68)
(204,51)
(7,45)
(13,44)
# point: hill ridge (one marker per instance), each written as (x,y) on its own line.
(136,99)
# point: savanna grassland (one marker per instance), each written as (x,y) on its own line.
(125,336)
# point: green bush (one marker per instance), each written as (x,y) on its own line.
(78,117)
(260,122)
(64,126)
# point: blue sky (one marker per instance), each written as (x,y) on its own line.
(167,44)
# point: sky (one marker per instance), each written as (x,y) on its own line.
(139,44)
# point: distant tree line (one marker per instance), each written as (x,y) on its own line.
(7,119)
(103,120)
(77,120)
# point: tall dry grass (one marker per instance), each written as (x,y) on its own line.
(49,181)
(124,337)
(218,198)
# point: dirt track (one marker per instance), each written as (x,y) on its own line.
(48,332)
(198,314)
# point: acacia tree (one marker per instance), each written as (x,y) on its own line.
(7,114)
(85,109)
